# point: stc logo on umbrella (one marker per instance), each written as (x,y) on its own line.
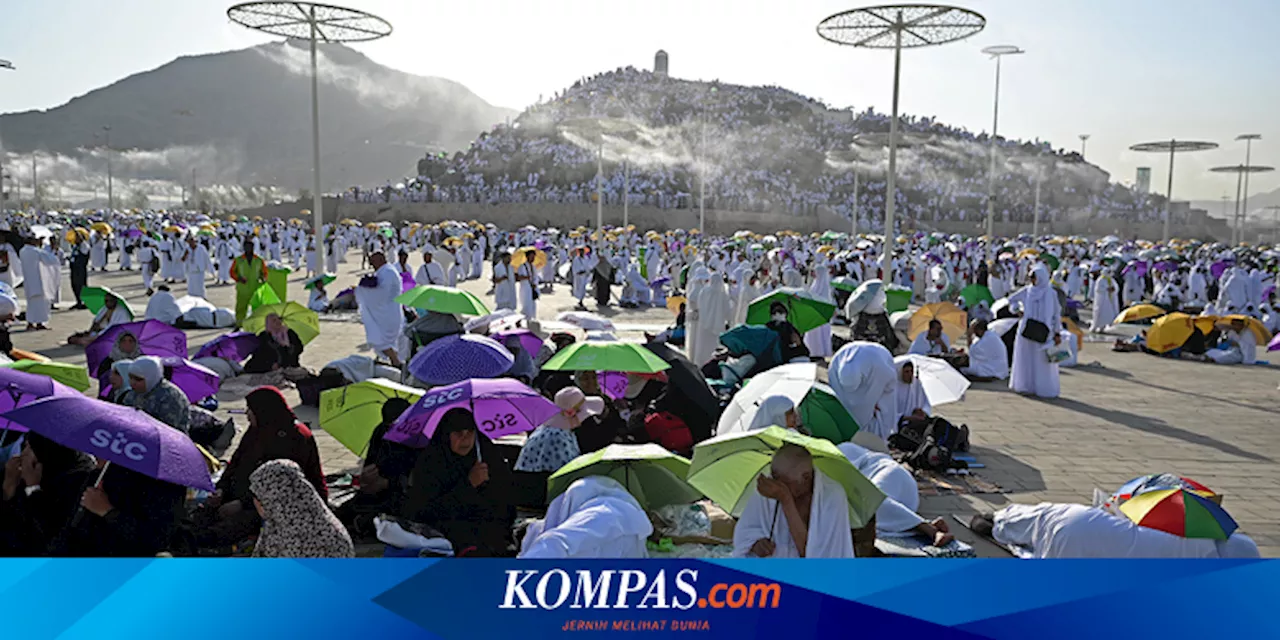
(119,444)
(630,589)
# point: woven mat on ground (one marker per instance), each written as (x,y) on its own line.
(917,547)
(340,316)
(932,483)
(240,386)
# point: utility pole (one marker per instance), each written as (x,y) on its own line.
(1084,144)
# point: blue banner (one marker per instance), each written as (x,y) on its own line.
(235,599)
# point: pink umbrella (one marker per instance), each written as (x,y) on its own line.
(500,407)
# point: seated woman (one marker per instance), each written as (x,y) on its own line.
(112,313)
(296,522)
(913,404)
(319,300)
(789,339)
(455,490)
(41,492)
(594,518)
(156,396)
(127,515)
(279,348)
(274,433)
(120,391)
(777,410)
(553,444)
(600,430)
(125,348)
(384,476)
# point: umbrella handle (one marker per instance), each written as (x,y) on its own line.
(75,520)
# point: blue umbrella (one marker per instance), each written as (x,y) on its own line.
(458,357)
(120,435)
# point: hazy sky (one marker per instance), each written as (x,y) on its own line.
(1124,71)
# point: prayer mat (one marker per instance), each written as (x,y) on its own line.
(240,386)
(932,483)
(917,547)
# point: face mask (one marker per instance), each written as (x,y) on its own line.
(780,317)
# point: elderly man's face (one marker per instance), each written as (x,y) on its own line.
(798,481)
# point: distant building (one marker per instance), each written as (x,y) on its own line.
(1142,184)
(660,63)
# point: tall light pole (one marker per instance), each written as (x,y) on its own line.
(1172,147)
(997,52)
(1084,144)
(1248,152)
(312,22)
(1242,172)
(898,27)
(111,200)
(4,64)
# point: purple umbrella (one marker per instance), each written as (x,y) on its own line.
(120,435)
(1218,268)
(1137,265)
(1165,265)
(235,346)
(19,388)
(155,338)
(529,340)
(406,281)
(196,381)
(133,233)
(1274,345)
(612,383)
(458,357)
(500,407)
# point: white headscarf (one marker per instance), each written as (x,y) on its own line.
(150,369)
(772,411)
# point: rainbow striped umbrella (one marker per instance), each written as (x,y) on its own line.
(1180,512)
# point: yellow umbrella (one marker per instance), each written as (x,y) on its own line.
(954,320)
(455,242)
(518,258)
(674,302)
(231,218)
(826,248)
(1259,331)
(101,227)
(1028,253)
(173,228)
(257,218)
(1205,323)
(78,234)
(1139,312)
(1169,332)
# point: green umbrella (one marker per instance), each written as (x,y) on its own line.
(96,297)
(325,278)
(820,410)
(832,235)
(804,311)
(653,475)
(351,412)
(263,296)
(1050,259)
(896,298)
(975,293)
(595,355)
(725,469)
(443,300)
(845,283)
(73,376)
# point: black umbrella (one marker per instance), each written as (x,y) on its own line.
(698,406)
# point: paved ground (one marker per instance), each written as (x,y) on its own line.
(1120,416)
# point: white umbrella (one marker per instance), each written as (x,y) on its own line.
(1002,326)
(586,321)
(942,383)
(790,380)
(864,296)
(501,317)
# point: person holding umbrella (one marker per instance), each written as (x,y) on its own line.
(113,312)
(42,489)
(798,512)
(279,347)
(454,488)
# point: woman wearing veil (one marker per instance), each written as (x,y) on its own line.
(1039,329)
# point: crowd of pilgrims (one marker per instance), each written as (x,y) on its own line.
(467,490)
(768,148)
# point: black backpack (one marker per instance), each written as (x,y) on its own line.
(931,444)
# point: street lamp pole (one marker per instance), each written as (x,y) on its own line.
(1248,158)
(1084,144)
(111,201)
(996,52)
